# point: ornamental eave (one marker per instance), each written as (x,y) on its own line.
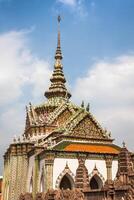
(75,154)
(88,147)
(71,137)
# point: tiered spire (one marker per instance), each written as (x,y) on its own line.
(82,179)
(125,165)
(58,88)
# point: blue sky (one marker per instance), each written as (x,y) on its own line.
(101,29)
(98,48)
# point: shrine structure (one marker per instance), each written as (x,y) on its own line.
(65,151)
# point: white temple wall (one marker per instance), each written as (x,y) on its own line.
(100,164)
(114,169)
(30,171)
(59,166)
(42,164)
(60,163)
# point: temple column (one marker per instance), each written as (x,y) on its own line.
(108,161)
(13,174)
(35,176)
(82,178)
(48,169)
(5,177)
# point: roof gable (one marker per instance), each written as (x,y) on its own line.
(87,128)
(83,124)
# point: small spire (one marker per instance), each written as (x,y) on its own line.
(88,107)
(19,139)
(14,139)
(82,104)
(124,144)
(58,53)
(59,19)
(58,88)
(95,168)
(66,165)
(30,106)
(26,109)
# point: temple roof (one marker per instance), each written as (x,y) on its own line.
(67,119)
(58,117)
(90,148)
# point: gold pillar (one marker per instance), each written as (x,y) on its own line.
(108,161)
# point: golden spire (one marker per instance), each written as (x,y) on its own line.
(58,50)
(58,88)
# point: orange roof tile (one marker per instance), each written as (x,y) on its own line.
(91,148)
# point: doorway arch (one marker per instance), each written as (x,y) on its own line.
(65,175)
(66,182)
(96,182)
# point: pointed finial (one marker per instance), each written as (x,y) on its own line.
(19,139)
(124,144)
(82,104)
(58,54)
(26,109)
(66,165)
(88,107)
(59,18)
(95,168)
(14,139)
(30,106)
(23,138)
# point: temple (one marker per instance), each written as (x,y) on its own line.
(64,153)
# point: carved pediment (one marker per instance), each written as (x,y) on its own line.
(62,118)
(87,128)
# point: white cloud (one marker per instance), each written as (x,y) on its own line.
(18,67)
(109,87)
(12,122)
(23,77)
(68,2)
(40,78)
(77,6)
